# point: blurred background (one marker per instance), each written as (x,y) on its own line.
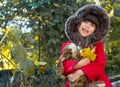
(31,34)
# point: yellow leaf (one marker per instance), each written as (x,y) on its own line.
(87,52)
(39,63)
(8,29)
(31,46)
(31,0)
(38,17)
(15,1)
(3,30)
(36,38)
(13,71)
(111,13)
(46,21)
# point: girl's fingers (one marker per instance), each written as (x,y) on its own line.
(62,58)
(71,77)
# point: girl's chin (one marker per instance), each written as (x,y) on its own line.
(83,35)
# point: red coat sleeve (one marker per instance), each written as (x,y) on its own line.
(94,69)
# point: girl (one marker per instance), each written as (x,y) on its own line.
(87,28)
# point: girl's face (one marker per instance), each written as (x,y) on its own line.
(86,28)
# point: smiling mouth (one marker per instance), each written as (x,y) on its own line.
(85,30)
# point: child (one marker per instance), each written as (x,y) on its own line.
(87,28)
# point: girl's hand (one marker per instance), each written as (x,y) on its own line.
(74,76)
(62,58)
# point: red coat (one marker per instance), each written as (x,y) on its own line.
(94,70)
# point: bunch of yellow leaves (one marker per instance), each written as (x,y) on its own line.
(89,53)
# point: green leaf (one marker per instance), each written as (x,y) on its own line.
(28,67)
(14,35)
(19,53)
(20,57)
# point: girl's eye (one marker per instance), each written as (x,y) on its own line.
(93,25)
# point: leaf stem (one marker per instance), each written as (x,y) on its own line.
(4,37)
(11,62)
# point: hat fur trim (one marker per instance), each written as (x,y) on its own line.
(73,20)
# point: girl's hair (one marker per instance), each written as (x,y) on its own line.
(92,18)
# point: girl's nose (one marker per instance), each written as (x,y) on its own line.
(87,25)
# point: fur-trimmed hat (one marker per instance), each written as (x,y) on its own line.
(85,12)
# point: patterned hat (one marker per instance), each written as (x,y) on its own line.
(103,25)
